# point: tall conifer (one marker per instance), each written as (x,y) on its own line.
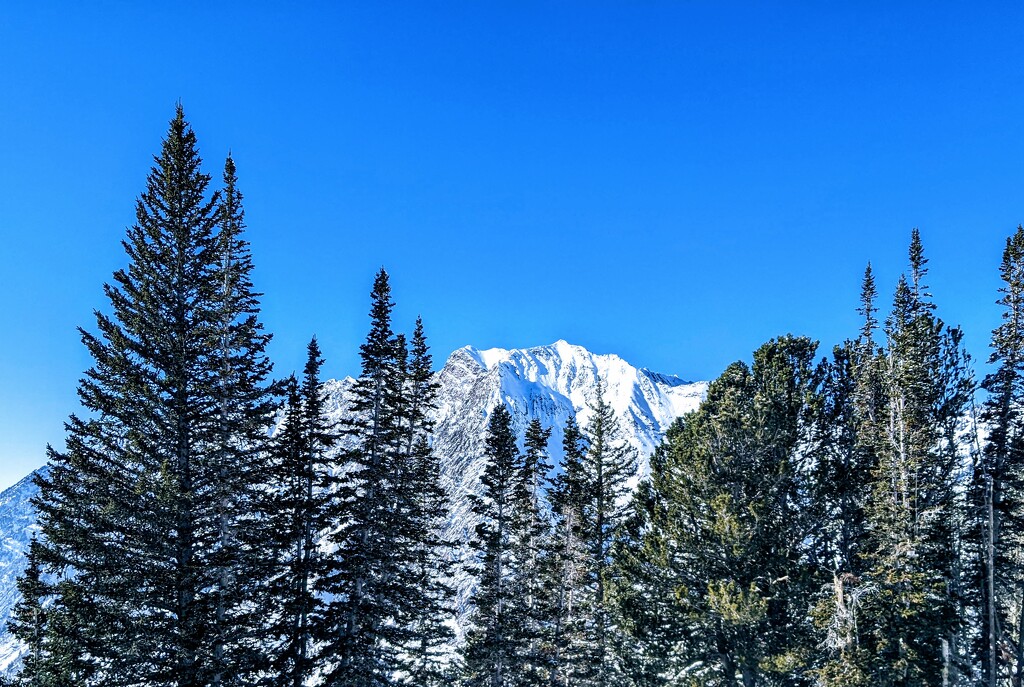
(1001,476)
(365,623)
(565,560)
(140,515)
(431,597)
(498,638)
(301,488)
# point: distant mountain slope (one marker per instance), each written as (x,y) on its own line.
(550,383)
(17,522)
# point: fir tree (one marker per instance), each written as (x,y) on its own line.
(365,624)
(140,515)
(499,634)
(1001,475)
(606,468)
(564,560)
(302,487)
(431,603)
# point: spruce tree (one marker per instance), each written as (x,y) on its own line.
(606,469)
(535,468)
(28,622)
(298,504)
(239,457)
(140,515)
(727,529)
(845,463)
(499,636)
(1001,476)
(431,600)
(564,560)
(365,623)
(911,603)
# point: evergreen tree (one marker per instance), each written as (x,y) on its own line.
(910,603)
(841,471)
(302,487)
(499,635)
(536,466)
(845,463)
(728,526)
(1001,476)
(140,516)
(239,455)
(431,603)
(564,561)
(28,623)
(644,586)
(606,468)
(365,624)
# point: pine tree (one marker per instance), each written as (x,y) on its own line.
(364,625)
(28,622)
(606,469)
(728,526)
(140,514)
(564,560)
(298,502)
(499,636)
(1001,476)
(431,603)
(645,588)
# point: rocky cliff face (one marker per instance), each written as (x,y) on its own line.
(550,383)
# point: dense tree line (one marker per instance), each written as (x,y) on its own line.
(182,543)
(850,520)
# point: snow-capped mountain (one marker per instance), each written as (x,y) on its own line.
(550,383)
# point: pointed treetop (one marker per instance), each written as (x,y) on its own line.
(867,308)
(918,270)
(313,358)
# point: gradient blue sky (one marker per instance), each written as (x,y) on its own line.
(673,182)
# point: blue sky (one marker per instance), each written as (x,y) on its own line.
(673,182)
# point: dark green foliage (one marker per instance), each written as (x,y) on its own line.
(389,599)
(723,525)
(239,457)
(297,509)
(840,468)
(536,466)
(142,514)
(499,636)
(605,470)
(563,562)
(29,623)
(905,613)
(999,496)
(363,626)
(645,589)
(431,597)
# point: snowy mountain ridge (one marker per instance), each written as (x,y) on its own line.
(550,383)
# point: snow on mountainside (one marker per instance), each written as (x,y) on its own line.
(17,522)
(550,383)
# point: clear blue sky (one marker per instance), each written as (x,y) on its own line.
(672,181)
